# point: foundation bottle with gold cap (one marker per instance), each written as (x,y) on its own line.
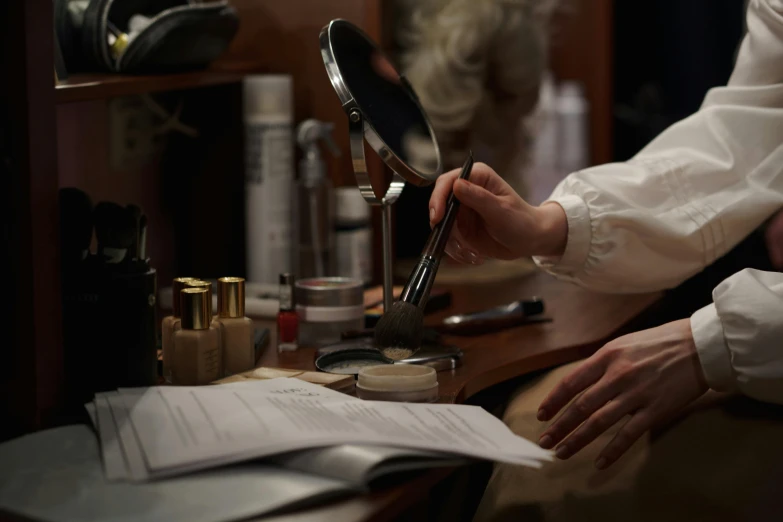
(199,283)
(197,355)
(236,330)
(170,325)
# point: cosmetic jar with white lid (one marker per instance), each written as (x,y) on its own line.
(327,307)
(398,383)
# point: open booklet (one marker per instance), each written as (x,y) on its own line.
(149,433)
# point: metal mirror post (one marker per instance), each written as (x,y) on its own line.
(383,110)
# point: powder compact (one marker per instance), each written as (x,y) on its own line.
(350,356)
(350,361)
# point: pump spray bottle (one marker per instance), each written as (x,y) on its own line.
(314,217)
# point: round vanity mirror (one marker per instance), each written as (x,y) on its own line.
(383,109)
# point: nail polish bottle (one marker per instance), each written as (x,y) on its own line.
(197,355)
(287,320)
(236,331)
(170,325)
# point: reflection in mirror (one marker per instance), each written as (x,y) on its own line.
(387,105)
(476,67)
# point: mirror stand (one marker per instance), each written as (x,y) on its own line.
(383,110)
(356,132)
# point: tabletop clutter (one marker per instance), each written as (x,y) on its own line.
(223,440)
(237,450)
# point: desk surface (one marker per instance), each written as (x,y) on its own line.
(582,322)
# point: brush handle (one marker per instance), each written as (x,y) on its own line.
(417,289)
(436,243)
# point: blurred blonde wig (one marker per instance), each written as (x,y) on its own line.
(476,66)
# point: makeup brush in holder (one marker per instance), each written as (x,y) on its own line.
(398,332)
(109,326)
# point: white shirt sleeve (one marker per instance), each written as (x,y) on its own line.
(739,338)
(693,193)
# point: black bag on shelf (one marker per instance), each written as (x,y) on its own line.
(143,36)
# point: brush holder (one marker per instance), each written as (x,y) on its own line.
(109,329)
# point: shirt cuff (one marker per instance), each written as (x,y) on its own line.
(580,236)
(713,351)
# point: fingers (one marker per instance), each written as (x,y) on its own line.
(481,176)
(475,197)
(460,249)
(576,413)
(440,194)
(594,426)
(573,384)
(624,439)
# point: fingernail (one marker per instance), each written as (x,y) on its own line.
(601,463)
(545,442)
(432,214)
(541,415)
(562,452)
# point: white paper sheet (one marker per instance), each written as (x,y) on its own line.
(56,476)
(115,466)
(137,467)
(184,429)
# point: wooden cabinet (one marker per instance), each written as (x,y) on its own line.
(53,136)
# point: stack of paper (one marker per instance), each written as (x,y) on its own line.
(56,476)
(149,433)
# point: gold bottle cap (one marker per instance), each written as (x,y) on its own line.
(198,283)
(231,297)
(196,308)
(177,285)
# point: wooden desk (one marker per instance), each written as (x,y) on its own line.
(582,322)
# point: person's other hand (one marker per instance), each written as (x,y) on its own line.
(493,221)
(650,375)
(774,237)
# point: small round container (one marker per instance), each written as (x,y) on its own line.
(398,382)
(327,307)
(351,361)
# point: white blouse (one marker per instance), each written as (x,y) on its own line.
(688,198)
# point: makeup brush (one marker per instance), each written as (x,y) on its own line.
(135,212)
(143,237)
(115,229)
(75,225)
(399,330)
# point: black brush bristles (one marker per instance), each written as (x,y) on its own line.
(135,213)
(400,329)
(115,229)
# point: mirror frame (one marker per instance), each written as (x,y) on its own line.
(360,128)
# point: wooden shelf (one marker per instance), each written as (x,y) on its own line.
(83,87)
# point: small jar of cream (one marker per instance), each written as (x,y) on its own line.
(398,383)
(327,307)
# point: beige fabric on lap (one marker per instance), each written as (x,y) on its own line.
(721,461)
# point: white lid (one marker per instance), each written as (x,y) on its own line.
(397,377)
(350,205)
(268,94)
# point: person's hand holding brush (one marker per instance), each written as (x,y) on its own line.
(494,222)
